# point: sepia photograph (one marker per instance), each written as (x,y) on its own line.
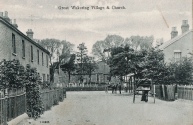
(96,62)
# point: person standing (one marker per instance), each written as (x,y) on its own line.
(119,88)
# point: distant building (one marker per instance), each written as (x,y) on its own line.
(180,45)
(16,45)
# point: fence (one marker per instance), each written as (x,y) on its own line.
(185,92)
(98,88)
(172,92)
(52,97)
(15,103)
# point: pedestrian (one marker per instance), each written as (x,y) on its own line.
(113,88)
(119,88)
(116,86)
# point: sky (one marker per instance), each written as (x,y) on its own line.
(140,17)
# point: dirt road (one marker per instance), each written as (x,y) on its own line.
(99,108)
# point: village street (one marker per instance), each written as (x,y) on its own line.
(99,108)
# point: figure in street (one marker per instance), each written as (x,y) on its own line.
(119,88)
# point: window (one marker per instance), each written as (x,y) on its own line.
(13,44)
(177,56)
(32,53)
(47,60)
(44,77)
(42,58)
(23,48)
(48,78)
(38,56)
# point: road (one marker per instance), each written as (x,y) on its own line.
(99,108)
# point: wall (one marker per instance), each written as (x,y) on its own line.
(6,50)
(183,44)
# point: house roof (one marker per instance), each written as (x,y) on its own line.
(168,43)
(23,35)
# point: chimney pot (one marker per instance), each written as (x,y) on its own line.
(185,26)
(6,14)
(174,32)
(1,14)
(30,33)
(14,23)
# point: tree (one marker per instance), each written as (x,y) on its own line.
(59,51)
(155,68)
(89,66)
(144,42)
(109,42)
(182,70)
(69,66)
(121,61)
(80,55)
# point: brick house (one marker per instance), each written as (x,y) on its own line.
(180,45)
(16,45)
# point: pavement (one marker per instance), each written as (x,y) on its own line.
(100,108)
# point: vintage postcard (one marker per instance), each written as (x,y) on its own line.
(96,62)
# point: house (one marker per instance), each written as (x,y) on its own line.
(180,45)
(16,45)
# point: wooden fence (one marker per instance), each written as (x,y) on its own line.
(172,92)
(185,92)
(14,104)
(52,97)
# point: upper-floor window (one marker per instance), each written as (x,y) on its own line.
(42,58)
(44,77)
(48,77)
(32,53)
(177,56)
(23,48)
(13,43)
(47,60)
(38,56)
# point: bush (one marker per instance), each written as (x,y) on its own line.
(34,102)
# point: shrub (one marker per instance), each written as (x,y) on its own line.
(34,103)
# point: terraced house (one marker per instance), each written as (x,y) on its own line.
(16,45)
(180,45)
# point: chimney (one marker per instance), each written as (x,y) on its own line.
(185,26)
(14,23)
(174,32)
(6,16)
(30,33)
(1,14)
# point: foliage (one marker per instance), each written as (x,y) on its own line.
(82,53)
(12,74)
(155,67)
(69,66)
(113,41)
(89,66)
(144,42)
(182,71)
(34,103)
(109,42)
(59,52)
